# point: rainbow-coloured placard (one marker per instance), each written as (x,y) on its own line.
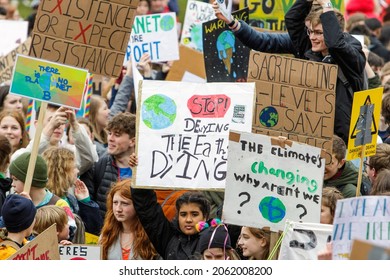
(29,114)
(48,81)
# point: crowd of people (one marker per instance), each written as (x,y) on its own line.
(83,171)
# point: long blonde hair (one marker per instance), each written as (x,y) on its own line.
(60,170)
(111,230)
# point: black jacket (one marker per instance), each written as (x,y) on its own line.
(5,186)
(344,50)
(165,236)
(99,179)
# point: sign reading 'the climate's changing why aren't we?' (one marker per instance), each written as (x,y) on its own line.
(48,81)
(269,181)
(187,127)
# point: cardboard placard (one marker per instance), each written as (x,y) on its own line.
(364,218)
(80,252)
(7,62)
(295,98)
(225,57)
(270,14)
(364,98)
(188,124)
(42,247)
(362,250)
(270,181)
(181,67)
(197,12)
(47,81)
(87,34)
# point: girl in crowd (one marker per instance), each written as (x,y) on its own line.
(13,127)
(123,237)
(98,117)
(330,195)
(176,240)
(62,177)
(49,215)
(10,101)
(5,156)
(254,243)
(381,184)
(214,241)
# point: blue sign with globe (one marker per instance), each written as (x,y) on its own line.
(158,111)
(269,117)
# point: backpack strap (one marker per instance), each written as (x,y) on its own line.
(53,200)
(10,243)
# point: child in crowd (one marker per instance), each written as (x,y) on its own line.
(49,215)
(5,155)
(63,182)
(254,243)
(176,240)
(123,237)
(214,241)
(18,215)
(330,195)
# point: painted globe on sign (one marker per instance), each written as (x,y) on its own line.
(269,117)
(158,111)
(272,209)
(167,23)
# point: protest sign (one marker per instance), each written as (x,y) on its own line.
(48,81)
(362,250)
(80,252)
(365,218)
(303,241)
(225,57)
(181,69)
(7,62)
(42,247)
(197,12)
(270,14)
(155,34)
(295,98)
(365,118)
(89,34)
(270,180)
(187,126)
(13,33)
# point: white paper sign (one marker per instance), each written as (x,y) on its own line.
(303,241)
(196,13)
(267,184)
(80,252)
(13,33)
(183,129)
(155,34)
(365,218)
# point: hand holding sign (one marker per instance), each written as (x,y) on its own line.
(222,10)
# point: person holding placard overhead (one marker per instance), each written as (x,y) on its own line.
(317,35)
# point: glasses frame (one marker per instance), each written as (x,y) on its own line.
(315,33)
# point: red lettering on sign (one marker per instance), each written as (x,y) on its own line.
(209,106)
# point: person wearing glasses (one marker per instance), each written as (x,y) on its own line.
(315,32)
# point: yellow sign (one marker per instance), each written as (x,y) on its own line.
(366,107)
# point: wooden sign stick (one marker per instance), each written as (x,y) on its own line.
(360,175)
(34,152)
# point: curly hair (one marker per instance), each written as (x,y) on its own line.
(18,116)
(60,169)
(142,247)
(123,123)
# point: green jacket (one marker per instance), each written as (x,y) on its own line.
(345,182)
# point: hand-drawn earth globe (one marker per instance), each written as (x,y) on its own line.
(269,117)
(158,111)
(167,23)
(272,209)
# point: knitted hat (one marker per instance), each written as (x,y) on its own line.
(18,213)
(215,236)
(19,166)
